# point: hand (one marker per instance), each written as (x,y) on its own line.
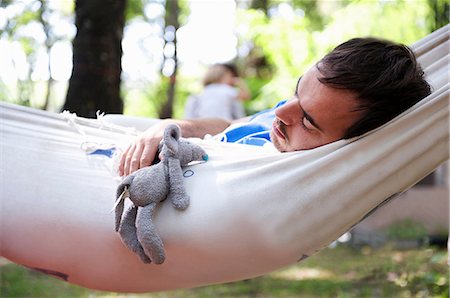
(244,92)
(236,81)
(143,150)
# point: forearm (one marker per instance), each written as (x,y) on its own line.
(198,128)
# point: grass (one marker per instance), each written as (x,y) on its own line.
(339,272)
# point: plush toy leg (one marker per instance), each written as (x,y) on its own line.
(177,194)
(147,235)
(127,231)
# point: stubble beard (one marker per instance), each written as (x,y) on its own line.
(276,140)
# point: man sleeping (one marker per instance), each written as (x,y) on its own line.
(360,85)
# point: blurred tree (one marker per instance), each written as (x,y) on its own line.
(260,4)
(439,14)
(311,10)
(159,96)
(170,62)
(97,51)
(33,29)
(12,31)
(274,47)
(294,37)
(134,8)
(50,39)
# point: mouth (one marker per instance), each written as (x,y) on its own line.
(277,131)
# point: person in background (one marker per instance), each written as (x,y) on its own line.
(221,97)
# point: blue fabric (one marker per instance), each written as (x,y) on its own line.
(255,132)
(107,152)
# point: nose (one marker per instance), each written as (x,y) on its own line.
(289,113)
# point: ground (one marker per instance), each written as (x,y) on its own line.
(342,271)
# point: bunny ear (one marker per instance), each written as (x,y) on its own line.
(171,136)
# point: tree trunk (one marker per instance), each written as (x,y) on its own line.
(171,26)
(97,52)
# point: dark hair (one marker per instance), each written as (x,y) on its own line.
(231,68)
(217,71)
(385,76)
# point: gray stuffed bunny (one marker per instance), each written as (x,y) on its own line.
(149,186)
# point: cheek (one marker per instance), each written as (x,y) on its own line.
(300,139)
(297,137)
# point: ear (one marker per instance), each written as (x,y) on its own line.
(171,135)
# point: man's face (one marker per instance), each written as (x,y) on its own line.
(315,116)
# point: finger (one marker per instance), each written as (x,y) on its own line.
(148,155)
(123,156)
(136,158)
(129,155)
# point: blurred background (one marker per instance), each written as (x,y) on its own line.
(145,57)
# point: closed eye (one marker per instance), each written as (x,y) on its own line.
(310,121)
(307,125)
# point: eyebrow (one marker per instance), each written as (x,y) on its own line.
(296,86)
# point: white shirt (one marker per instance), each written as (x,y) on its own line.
(216,101)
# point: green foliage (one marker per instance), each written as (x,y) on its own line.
(439,14)
(134,9)
(21,282)
(5,3)
(339,272)
(292,45)
(316,19)
(184,11)
(407,230)
(147,99)
(16,21)
(184,88)
(256,86)
(141,101)
(27,22)
(284,46)
(26,17)
(400,21)
(278,38)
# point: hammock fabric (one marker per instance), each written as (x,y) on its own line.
(253,210)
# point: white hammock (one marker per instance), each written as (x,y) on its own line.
(252,210)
